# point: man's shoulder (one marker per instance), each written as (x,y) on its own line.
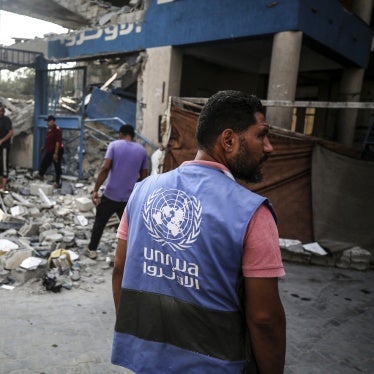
(126,145)
(6,119)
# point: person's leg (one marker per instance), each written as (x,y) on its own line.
(5,168)
(120,208)
(58,169)
(104,211)
(45,163)
(1,166)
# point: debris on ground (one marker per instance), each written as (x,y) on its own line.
(44,231)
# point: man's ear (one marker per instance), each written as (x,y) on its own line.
(228,139)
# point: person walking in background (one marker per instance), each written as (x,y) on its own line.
(53,151)
(125,162)
(195,278)
(6,133)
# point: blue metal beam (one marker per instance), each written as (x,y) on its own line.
(187,22)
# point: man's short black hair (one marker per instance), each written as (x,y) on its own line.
(226,110)
(50,118)
(127,130)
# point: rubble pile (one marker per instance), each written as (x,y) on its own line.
(100,13)
(326,253)
(43,233)
(21,112)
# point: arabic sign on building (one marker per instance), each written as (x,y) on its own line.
(191,22)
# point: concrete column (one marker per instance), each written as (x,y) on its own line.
(351,84)
(350,90)
(161,78)
(283,75)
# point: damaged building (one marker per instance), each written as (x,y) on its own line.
(311,63)
(314,53)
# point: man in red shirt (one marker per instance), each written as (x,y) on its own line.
(6,133)
(54,150)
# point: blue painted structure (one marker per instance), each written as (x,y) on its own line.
(105,104)
(191,22)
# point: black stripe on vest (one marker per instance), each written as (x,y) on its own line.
(164,319)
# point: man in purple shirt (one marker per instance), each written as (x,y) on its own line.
(125,163)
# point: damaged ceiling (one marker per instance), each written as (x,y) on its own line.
(47,10)
(71,14)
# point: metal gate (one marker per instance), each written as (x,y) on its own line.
(61,92)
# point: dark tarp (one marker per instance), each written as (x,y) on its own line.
(287,179)
(343,198)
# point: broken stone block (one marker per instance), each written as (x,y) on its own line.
(323,260)
(7,225)
(81,242)
(44,198)
(7,245)
(81,220)
(45,226)
(46,188)
(49,236)
(34,212)
(70,178)
(22,275)
(29,229)
(355,258)
(58,225)
(67,189)
(68,237)
(9,233)
(31,263)
(13,259)
(299,257)
(24,191)
(21,200)
(8,200)
(18,210)
(61,211)
(84,204)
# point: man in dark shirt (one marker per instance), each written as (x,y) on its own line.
(54,150)
(6,133)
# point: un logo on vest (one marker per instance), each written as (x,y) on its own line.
(172,217)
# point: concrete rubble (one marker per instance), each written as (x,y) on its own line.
(329,253)
(43,233)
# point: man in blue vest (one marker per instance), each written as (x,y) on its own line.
(195,279)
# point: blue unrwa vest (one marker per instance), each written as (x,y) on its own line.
(181,303)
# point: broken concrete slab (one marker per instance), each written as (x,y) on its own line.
(7,245)
(84,204)
(354,258)
(46,202)
(50,236)
(46,188)
(23,275)
(18,211)
(29,229)
(13,259)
